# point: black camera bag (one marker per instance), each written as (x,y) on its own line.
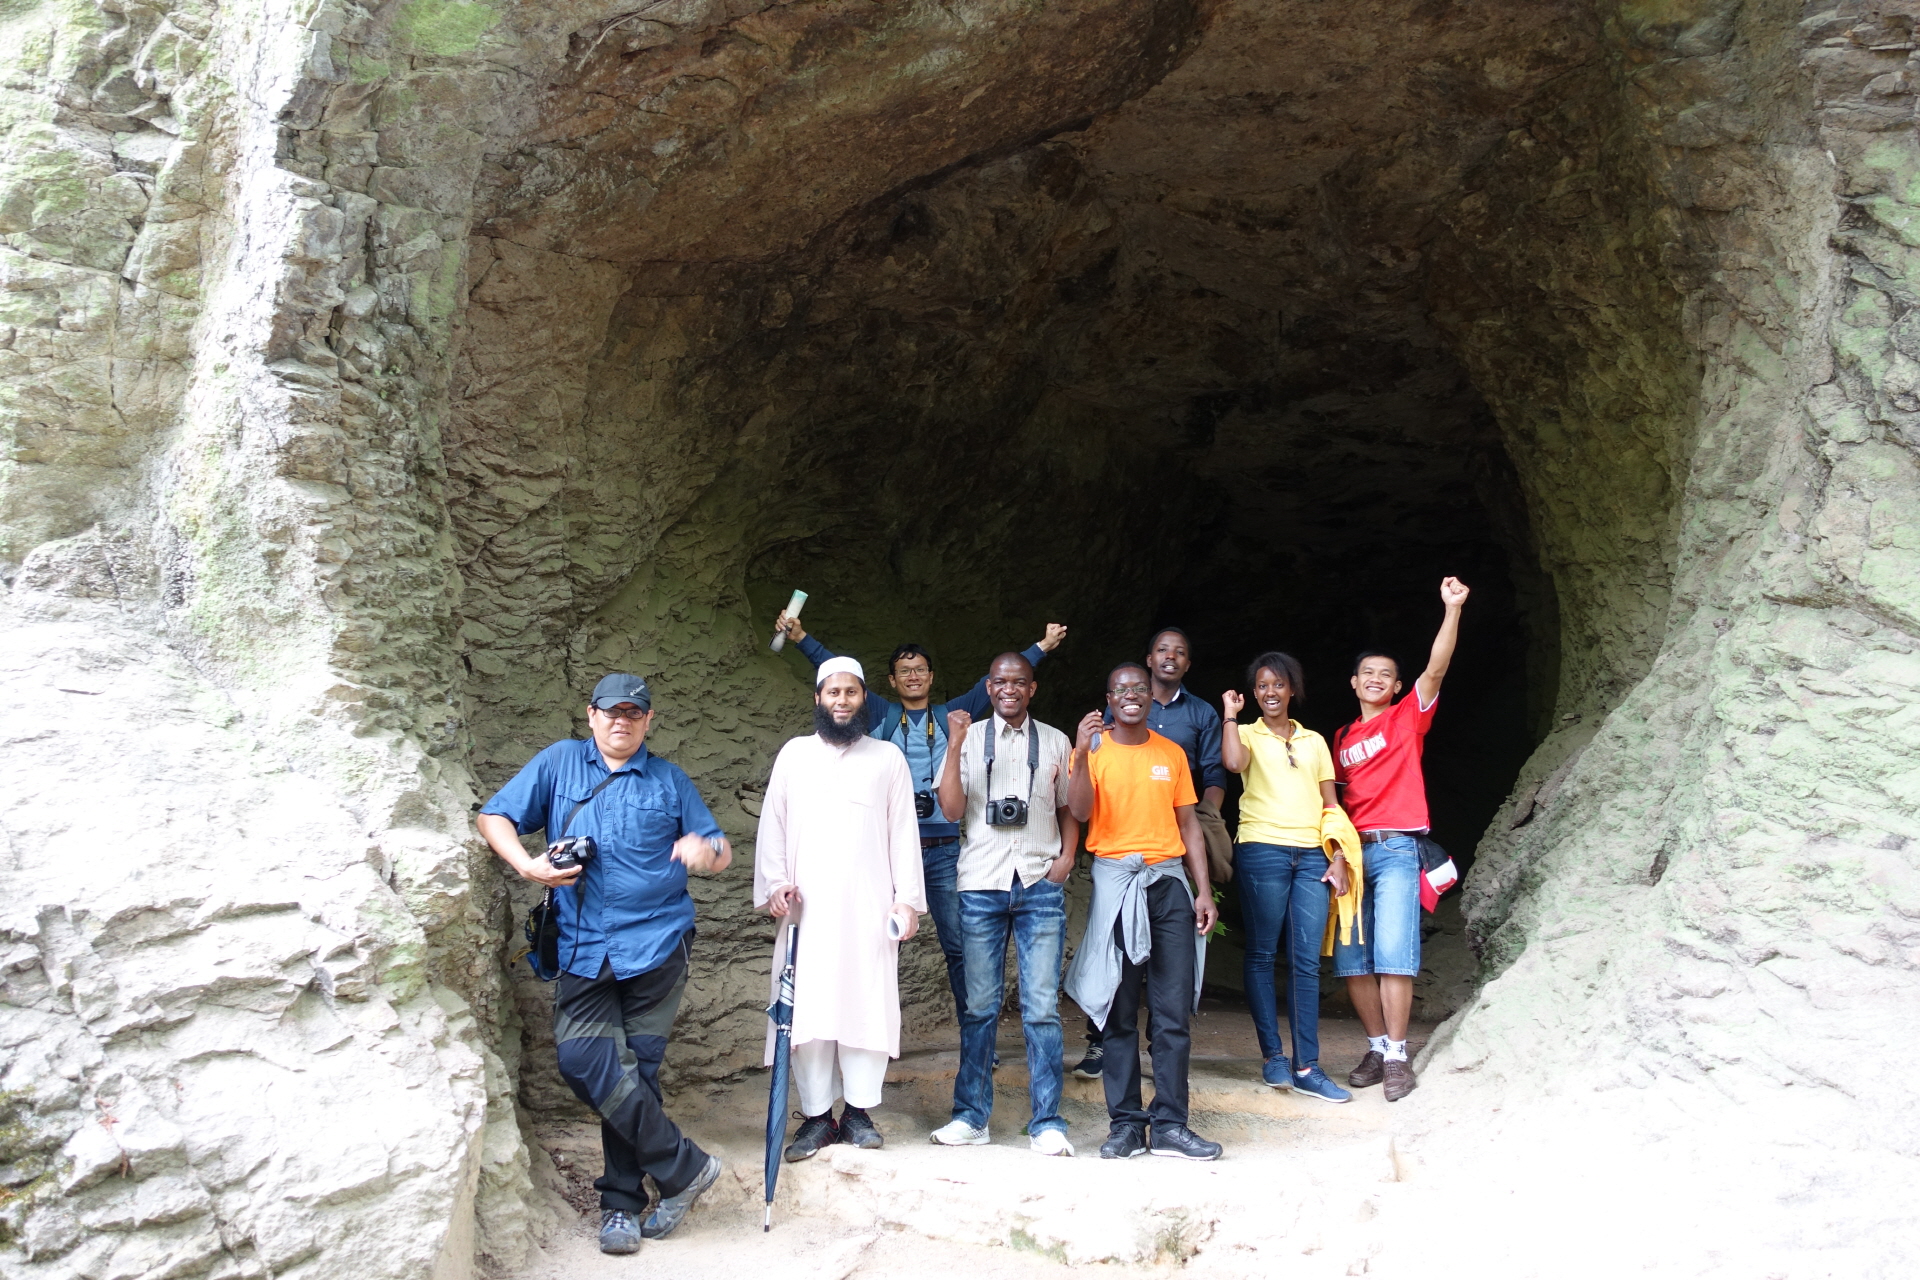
(543,922)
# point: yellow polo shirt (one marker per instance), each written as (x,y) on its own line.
(1282,802)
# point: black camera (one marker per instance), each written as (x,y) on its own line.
(574,851)
(1010,812)
(923,805)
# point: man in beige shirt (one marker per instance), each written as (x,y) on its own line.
(1008,778)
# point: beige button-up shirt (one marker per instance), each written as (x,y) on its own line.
(991,856)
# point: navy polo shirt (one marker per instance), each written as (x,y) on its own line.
(630,906)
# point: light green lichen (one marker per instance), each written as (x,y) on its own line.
(446,28)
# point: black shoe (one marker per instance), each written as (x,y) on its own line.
(1124,1142)
(856,1127)
(815,1132)
(1091,1066)
(1178,1140)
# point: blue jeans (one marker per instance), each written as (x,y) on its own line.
(1389,913)
(1283,901)
(1037,918)
(940,865)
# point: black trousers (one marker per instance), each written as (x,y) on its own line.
(1168,977)
(611,1036)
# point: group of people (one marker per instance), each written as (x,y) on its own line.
(973,812)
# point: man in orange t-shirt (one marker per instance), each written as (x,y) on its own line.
(1145,927)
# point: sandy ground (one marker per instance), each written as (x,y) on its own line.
(1296,1173)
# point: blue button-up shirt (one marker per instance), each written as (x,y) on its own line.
(630,907)
(1194,727)
(922,735)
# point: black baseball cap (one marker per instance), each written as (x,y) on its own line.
(618,688)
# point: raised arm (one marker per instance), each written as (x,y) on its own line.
(953,797)
(1233,752)
(1080,781)
(1453,594)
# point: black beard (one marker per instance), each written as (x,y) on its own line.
(840,735)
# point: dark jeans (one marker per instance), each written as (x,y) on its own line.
(1168,976)
(1037,919)
(940,865)
(611,1036)
(1284,906)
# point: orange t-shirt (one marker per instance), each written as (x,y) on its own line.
(1135,791)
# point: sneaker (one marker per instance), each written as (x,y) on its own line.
(815,1132)
(1051,1142)
(672,1210)
(619,1233)
(1399,1079)
(1092,1065)
(1179,1141)
(1314,1083)
(1124,1141)
(1370,1071)
(1277,1071)
(958,1133)
(856,1127)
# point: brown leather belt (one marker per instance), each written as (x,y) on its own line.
(1375,837)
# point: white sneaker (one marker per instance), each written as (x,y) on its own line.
(958,1133)
(1051,1142)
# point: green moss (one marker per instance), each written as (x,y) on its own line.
(443,27)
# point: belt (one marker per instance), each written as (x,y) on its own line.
(934,842)
(1375,837)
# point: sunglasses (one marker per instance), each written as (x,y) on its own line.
(623,713)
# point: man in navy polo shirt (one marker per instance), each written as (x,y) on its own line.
(626,920)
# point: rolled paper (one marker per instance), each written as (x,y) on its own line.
(793,611)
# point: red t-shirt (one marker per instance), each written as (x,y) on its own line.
(1379,760)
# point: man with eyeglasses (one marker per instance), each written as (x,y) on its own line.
(1146,926)
(918,727)
(626,922)
(1007,777)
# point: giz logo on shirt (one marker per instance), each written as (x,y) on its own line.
(1363,750)
(1163,773)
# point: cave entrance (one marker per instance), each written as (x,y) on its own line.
(1224,318)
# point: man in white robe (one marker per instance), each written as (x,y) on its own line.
(839,854)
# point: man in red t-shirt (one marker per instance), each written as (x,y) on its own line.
(1377,762)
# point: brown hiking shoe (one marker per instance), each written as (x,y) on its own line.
(1368,1073)
(1399,1080)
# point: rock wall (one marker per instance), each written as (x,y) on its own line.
(374,378)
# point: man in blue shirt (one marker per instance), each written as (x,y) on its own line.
(1193,726)
(626,921)
(918,726)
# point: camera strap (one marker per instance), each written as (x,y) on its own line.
(575,811)
(1033,753)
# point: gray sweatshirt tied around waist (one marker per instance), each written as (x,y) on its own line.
(1120,893)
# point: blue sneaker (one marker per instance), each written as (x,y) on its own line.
(1277,1071)
(1314,1083)
(619,1233)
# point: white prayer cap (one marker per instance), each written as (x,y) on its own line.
(836,666)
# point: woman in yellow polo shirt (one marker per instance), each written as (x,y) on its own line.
(1279,866)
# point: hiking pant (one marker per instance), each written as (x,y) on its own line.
(611,1035)
(1168,978)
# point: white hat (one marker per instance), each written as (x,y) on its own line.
(836,666)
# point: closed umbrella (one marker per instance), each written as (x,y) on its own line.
(781,1011)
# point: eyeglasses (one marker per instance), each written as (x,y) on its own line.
(624,712)
(1122,690)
